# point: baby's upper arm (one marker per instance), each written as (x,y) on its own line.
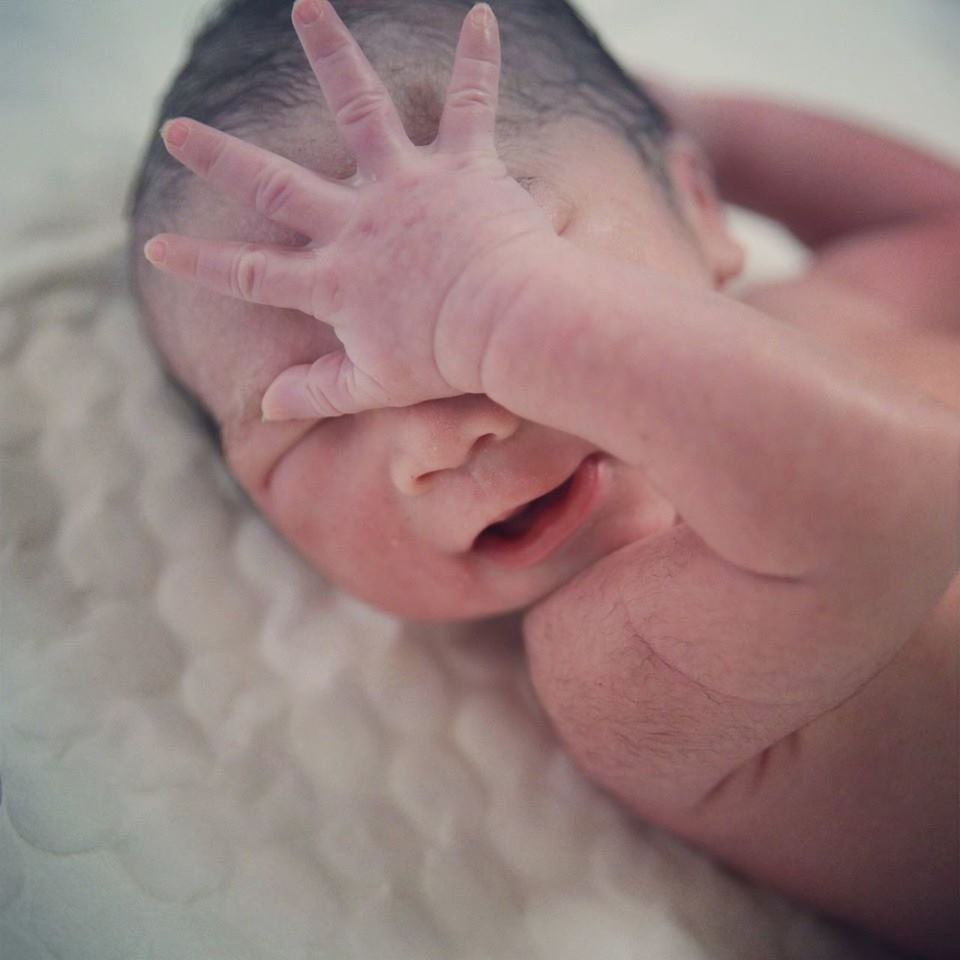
(912,268)
(664,667)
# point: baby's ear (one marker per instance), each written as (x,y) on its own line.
(690,173)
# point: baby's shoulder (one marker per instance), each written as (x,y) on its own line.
(906,273)
(910,347)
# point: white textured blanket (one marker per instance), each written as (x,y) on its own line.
(207,751)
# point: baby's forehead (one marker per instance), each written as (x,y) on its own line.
(564,147)
(579,164)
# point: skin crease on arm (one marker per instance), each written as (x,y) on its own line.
(809,484)
(703,665)
(873,490)
(817,486)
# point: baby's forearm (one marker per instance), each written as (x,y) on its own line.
(786,457)
(820,176)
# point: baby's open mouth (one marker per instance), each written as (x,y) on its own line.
(542,525)
(519,523)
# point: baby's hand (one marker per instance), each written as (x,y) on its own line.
(388,251)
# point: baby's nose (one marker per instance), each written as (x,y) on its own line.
(442,435)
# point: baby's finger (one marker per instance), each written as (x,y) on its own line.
(362,107)
(330,387)
(470,110)
(275,187)
(274,276)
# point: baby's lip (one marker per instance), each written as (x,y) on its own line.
(488,543)
(523,506)
(512,511)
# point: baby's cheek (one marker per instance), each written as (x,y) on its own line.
(316,503)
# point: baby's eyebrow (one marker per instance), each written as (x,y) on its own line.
(525,182)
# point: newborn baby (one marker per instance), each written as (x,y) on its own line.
(471,369)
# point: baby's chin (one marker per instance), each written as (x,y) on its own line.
(454,605)
(459,590)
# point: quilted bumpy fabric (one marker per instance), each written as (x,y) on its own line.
(206,751)
(210,752)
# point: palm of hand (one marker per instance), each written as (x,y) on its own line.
(386,250)
(415,236)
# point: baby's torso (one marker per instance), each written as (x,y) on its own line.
(858,810)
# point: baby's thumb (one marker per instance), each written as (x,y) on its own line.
(314,391)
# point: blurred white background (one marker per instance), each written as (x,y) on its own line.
(80,82)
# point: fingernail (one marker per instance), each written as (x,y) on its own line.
(272,410)
(268,409)
(286,397)
(155,251)
(175,133)
(274,404)
(482,16)
(306,11)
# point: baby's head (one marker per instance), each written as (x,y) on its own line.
(388,503)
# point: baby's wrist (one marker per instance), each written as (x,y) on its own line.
(482,301)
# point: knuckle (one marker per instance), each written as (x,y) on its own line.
(480,160)
(272,192)
(471,97)
(360,108)
(327,295)
(317,398)
(366,386)
(485,64)
(336,295)
(248,273)
(410,179)
(214,156)
(337,46)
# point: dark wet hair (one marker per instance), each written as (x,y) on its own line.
(246,70)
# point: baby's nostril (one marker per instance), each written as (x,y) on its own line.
(412,482)
(420,477)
